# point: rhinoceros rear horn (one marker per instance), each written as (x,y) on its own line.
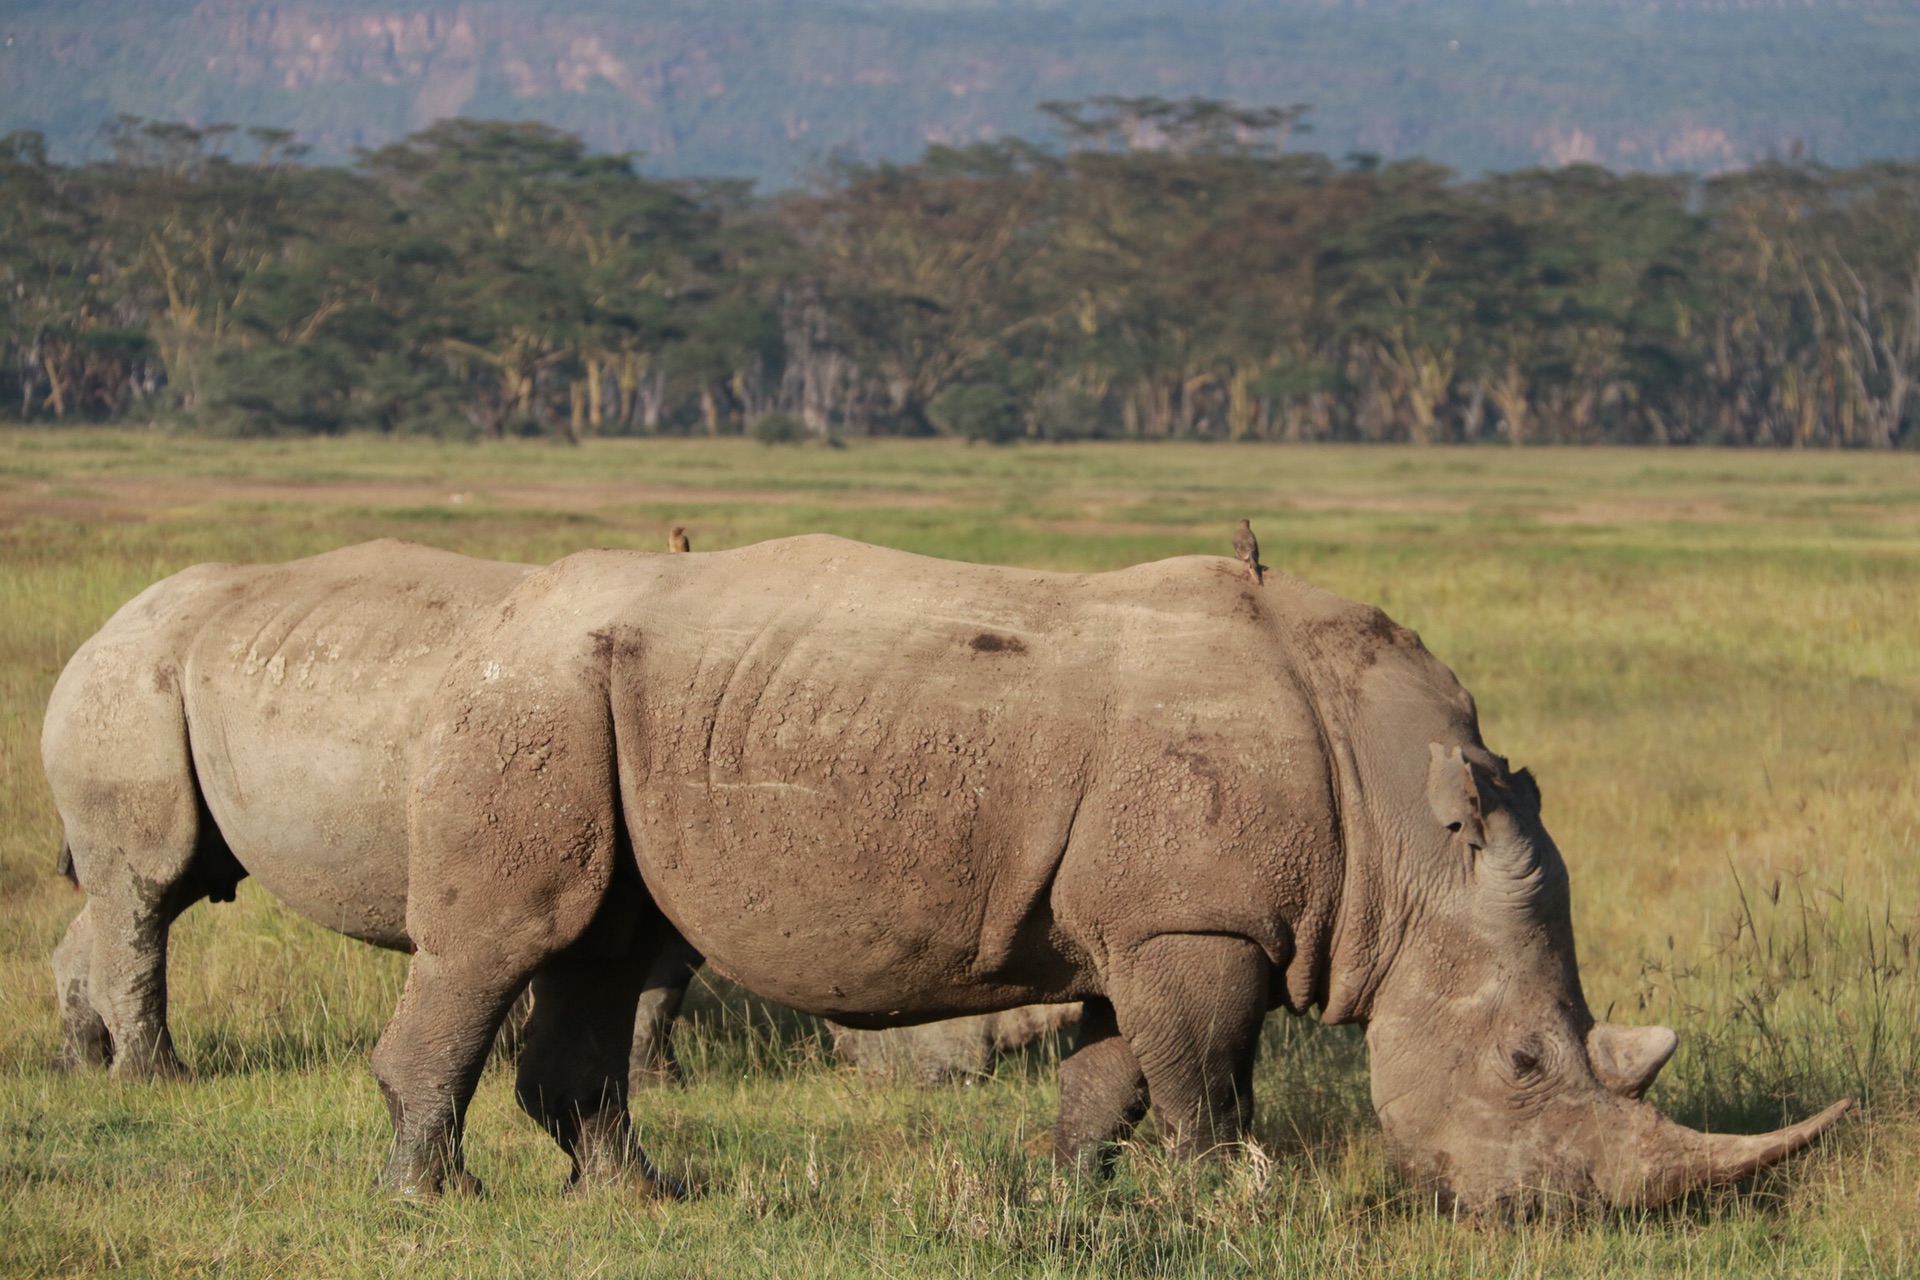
(1626,1059)
(1661,1161)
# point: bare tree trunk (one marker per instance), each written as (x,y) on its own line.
(1510,396)
(576,411)
(56,385)
(596,410)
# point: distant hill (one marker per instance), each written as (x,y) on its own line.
(762,88)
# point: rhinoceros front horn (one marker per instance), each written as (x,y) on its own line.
(1651,1160)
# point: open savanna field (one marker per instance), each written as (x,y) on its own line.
(1710,660)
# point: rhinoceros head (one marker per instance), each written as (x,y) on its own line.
(1498,1091)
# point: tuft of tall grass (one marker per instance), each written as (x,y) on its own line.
(1805,993)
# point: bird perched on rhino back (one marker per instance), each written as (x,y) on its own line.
(1246,549)
(677,539)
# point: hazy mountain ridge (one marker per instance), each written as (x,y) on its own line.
(768,87)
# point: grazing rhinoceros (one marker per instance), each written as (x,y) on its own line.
(239,720)
(890,789)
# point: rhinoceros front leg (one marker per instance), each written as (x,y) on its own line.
(652,1061)
(83,1034)
(1103,1093)
(1191,1007)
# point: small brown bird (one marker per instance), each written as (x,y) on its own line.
(1246,548)
(677,539)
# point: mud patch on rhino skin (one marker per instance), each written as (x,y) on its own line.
(162,680)
(622,643)
(1201,768)
(1376,625)
(1361,635)
(987,642)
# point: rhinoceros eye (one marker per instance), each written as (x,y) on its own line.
(1524,1058)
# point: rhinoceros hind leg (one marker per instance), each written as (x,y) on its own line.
(428,1061)
(653,1062)
(1103,1094)
(573,1070)
(84,1041)
(127,983)
(1191,1007)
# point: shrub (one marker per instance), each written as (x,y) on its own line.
(778,428)
(1068,413)
(976,411)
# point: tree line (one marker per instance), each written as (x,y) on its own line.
(1170,270)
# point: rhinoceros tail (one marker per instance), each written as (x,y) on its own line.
(64,865)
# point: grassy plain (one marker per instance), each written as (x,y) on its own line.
(1711,661)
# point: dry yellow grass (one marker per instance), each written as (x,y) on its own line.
(1711,660)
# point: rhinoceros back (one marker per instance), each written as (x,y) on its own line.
(887,788)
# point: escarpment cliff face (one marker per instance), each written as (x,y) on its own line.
(445,59)
(762,88)
(435,53)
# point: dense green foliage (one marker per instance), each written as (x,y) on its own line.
(1171,272)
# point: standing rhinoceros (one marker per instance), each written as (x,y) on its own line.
(890,789)
(239,720)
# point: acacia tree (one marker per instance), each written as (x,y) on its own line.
(1171,270)
(71,320)
(927,273)
(569,266)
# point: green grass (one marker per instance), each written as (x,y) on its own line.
(1711,661)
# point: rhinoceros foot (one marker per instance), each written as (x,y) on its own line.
(644,1184)
(159,1064)
(424,1177)
(607,1155)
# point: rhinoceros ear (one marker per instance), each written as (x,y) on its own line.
(1455,792)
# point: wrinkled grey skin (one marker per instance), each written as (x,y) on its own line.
(888,789)
(240,720)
